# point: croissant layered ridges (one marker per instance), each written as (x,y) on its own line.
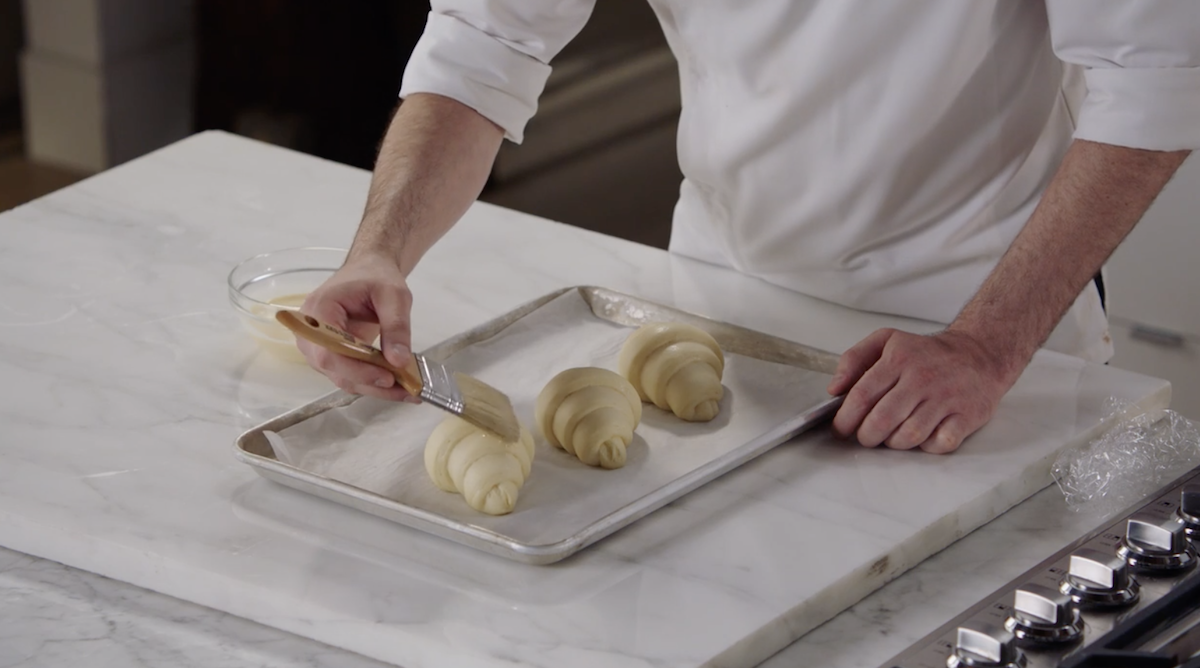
(677,367)
(591,413)
(487,471)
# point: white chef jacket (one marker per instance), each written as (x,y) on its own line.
(877,154)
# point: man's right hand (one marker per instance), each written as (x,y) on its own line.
(434,161)
(367,297)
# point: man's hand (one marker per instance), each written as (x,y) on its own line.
(906,391)
(367,297)
(933,391)
(434,161)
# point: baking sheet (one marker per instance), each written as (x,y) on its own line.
(378,446)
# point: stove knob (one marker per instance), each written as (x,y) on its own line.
(1156,546)
(1044,616)
(985,646)
(1189,509)
(1096,579)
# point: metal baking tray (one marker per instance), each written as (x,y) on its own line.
(254,449)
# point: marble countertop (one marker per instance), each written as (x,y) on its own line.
(53,615)
(125,378)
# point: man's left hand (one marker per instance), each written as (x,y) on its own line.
(906,390)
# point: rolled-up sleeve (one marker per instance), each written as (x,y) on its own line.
(1141,61)
(493,55)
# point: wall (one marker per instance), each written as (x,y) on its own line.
(312,75)
(105,81)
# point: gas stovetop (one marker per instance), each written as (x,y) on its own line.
(1126,595)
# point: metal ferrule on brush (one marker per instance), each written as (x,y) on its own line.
(438,386)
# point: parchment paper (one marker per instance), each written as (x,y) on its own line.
(378,446)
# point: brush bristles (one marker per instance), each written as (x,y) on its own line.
(488,408)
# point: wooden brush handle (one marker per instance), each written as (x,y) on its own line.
(344,343)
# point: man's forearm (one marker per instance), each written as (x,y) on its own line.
(1098,195)
(433,163)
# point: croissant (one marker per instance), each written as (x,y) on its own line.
(486,470)
(591,413)
(676,366)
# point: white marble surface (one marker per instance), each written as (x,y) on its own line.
(55,616)
(124,379)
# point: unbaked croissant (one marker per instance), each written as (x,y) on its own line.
(676,366)
(486,470)
(591,413)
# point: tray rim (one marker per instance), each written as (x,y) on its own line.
(489,541)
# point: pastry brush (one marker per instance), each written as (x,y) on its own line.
(469,398)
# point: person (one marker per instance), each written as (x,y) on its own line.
(969,163)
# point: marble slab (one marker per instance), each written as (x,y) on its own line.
(53,615)
(124,379)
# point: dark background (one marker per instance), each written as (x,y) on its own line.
(319,76)
(322,77)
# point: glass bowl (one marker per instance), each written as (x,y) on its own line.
(265,284)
